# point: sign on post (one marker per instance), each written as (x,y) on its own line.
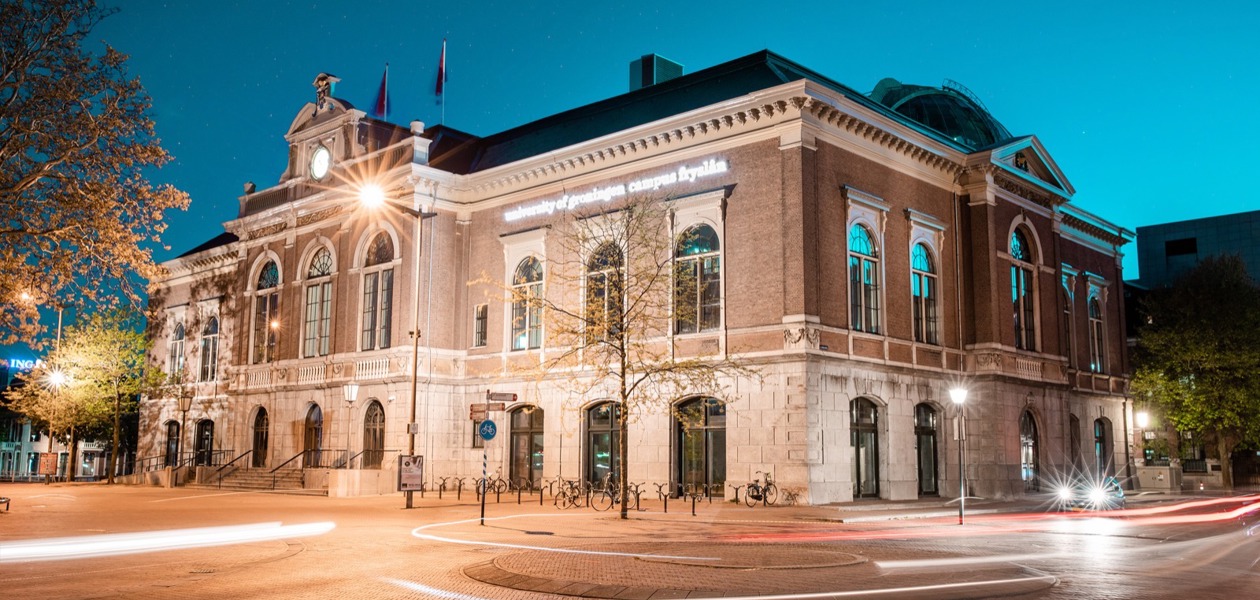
(410,473)
(47,463)
(487,430)
(500,397)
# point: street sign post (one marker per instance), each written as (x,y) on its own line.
(486,430)
(500,397)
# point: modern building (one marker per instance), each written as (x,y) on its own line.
(865,253)
(1167,250)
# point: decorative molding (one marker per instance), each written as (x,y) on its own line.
(266,231)
(989,360)
(1098,232)
(801,337)
(1041,198)
(319,215)
(829,114)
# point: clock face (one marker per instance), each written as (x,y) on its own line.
(320,161)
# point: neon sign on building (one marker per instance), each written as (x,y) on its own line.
(684,174)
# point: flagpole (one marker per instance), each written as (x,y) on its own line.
(443,121)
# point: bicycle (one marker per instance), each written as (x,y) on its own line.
(607,495)
(569,494)
(766,492)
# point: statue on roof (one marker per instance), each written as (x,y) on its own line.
(324,83)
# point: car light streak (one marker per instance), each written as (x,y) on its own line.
(418,532)
(432,591)
(116,544)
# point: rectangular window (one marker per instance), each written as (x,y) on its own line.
(710,293)
(310,343)
(209,357)
(477,442)
(266,310)
(479,325)
(387,308)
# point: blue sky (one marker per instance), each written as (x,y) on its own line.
(1148,111)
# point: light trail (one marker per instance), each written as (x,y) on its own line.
(153,541)
(417,532)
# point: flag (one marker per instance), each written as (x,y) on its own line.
(380,110)
(441,75)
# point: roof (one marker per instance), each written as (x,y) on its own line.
(222,239)
(739,77)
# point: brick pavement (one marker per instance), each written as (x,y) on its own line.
(524,551)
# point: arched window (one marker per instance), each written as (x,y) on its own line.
(172,443)
(378,293)
(203,445)
(923,294)
(702,446)
(1102,448)
(318,321)
(863,280)
(864,438)
(925,438)
(261,435)
(1028,461)
(312,440)
(527,446)
(210,350)
(602,435)
(697,281)
(604,293)
(527,304)
(175,363)
(266,313)
(1023,295)
(1069,328)
(1097,341)
(373,435)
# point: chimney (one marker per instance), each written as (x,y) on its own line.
(652,69)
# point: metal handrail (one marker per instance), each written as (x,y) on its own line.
(361,452)
(219,471)
(283,464)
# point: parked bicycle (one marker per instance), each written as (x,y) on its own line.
(569,494)
(761,490)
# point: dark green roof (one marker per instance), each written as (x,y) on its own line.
(463,153)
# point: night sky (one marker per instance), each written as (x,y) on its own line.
(1148,112)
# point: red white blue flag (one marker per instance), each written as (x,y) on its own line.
(441,74)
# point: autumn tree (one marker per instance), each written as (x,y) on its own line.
(1198,358)
(104,361)
(616,295)
(76,147)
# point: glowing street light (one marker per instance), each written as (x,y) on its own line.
(57,378)
(959,396)
(372,196)
(1143,419)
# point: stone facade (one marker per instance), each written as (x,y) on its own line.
(804,163)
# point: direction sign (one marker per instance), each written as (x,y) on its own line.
(500,397)
(476,414)
(496,405)
(487,430)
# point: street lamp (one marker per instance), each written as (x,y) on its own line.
(372,196)
(185,403)
(959,396)
(351,391)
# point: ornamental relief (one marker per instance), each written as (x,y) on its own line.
(800,337)
(268,230)
(318,215)
(989,360)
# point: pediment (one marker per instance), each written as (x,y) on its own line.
(1027,159)
(311,116)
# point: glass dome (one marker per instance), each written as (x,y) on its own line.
(951,110)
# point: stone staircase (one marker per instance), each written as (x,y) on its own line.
(284,481)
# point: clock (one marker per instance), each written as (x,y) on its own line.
(321,159)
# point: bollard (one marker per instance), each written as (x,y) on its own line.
(540,495)
(518,495)
(497,494)
(693,505)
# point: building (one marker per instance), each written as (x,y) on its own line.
(1167,250)
(866,253)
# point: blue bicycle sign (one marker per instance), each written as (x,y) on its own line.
(487,430)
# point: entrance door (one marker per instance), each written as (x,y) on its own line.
(172,443)
(313,439)
(373,436)
(1028,452)
(260,438)
(527,446)
(204,445)
(925,436)
(865,441)
(702,446)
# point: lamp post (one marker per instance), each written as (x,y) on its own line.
(352,393)
(185,403)
(372,196)
(959,396)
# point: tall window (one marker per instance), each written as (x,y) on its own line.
(923,294)
(172,443)
(925,442)
(378,293)
(702,446)
(697,281)
(604,293)
(373,436)
(527,305)
(175,363)
(864,437)
(527,446)
(210,350)
(266,313)
(1022,295)
(601,441)
(480,314)
(1097,341)
(1068,328)
(318,304)
(863,280)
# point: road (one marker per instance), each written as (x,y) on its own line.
(373,548)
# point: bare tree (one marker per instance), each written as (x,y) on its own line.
(615,296)
(76,146)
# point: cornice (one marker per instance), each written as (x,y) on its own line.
(856,125)
(1083,226)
